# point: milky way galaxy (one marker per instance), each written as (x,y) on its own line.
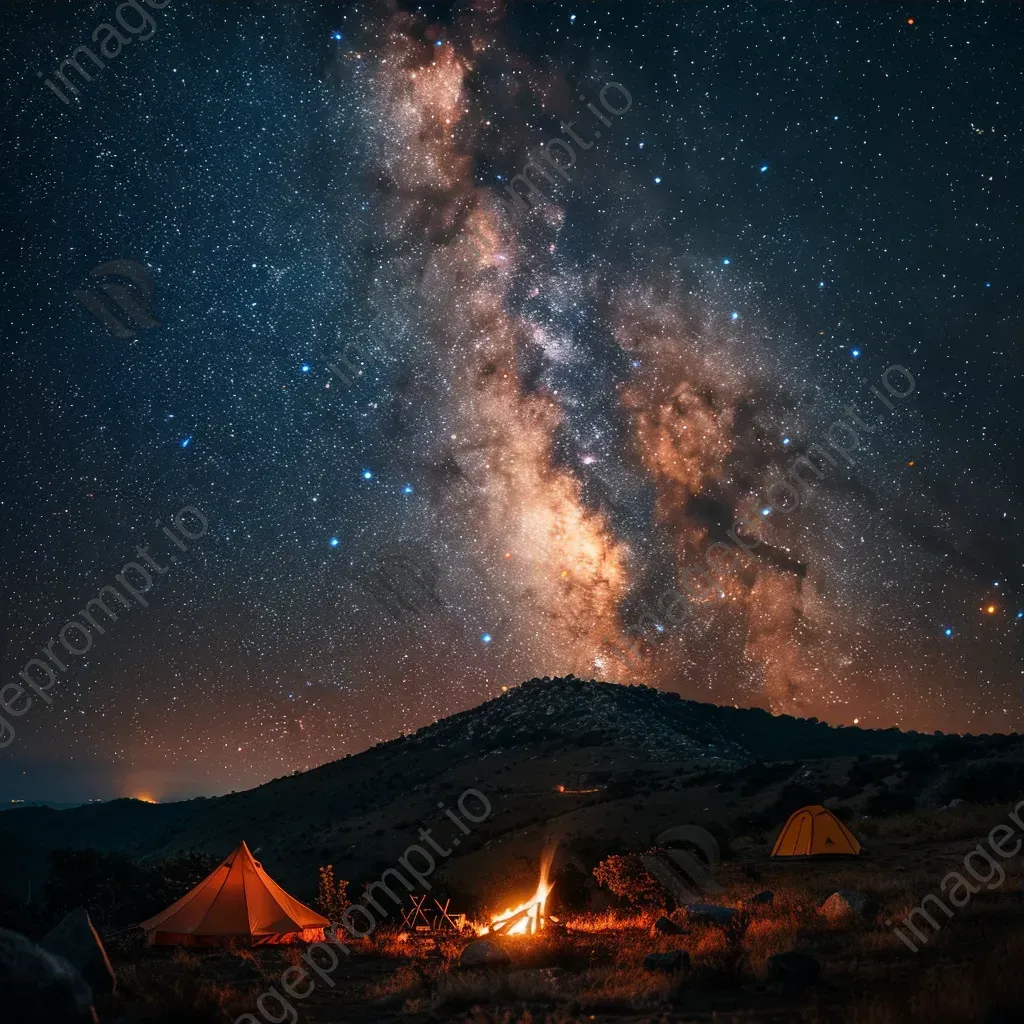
(500,343)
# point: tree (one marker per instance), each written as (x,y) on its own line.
(332,896)
(625,876)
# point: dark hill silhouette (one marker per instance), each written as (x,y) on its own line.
(635,748)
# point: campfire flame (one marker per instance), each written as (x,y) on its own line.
(529,917)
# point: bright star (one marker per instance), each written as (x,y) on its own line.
(335,542)
(726,262)
(855,353)
(766,511)
(764,167)
(1020,614)
(486,638)
(187,441)
(572,21)
(948,631)
(367,475)
(305,367)
(657,181)
(407,489)
(734,316)
(337,36)
(785,440)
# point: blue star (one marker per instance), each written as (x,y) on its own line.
(187,441)
(726,262)
(367,475)
(855,353)
(1020,614)
(306,367)
(734,316)
(766,511)
(407,489)
(572,19)
(988,284)
(337,36)
(948,631)
(764,167)
(785,440)
(335,542)
(486,638)
(657,181)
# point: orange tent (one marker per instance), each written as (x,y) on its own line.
(814,831)
(238,901)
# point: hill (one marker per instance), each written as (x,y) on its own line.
(597,766)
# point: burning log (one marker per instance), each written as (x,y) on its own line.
(529,917)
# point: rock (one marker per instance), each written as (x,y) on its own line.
(484,953)
(793,969)
(37,987)
(845,903)
(765,896)
(76,940)
(667,962)
(709,913)
(665,926)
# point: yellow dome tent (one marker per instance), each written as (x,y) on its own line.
(814,831)
(238,901)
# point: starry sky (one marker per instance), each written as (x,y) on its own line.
(550,410)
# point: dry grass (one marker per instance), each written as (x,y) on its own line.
(594,969)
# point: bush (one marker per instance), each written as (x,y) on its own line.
(625,876)
(332,895)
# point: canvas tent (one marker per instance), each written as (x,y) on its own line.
(238,901)
(814,831)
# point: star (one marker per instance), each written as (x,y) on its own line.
(486,638)
(367,474)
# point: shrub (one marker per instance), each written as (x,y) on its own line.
(332,894)
(625,876)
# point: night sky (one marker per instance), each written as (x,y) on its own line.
(574,398)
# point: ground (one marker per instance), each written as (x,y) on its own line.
(968,971)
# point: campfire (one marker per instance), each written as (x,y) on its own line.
(530,917)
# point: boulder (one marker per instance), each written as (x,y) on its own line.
(844,903)
(37,987)
(709,913)
(484,953)
(668,963)
(793,969)
(77,941)
(765,896)
(665,926)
